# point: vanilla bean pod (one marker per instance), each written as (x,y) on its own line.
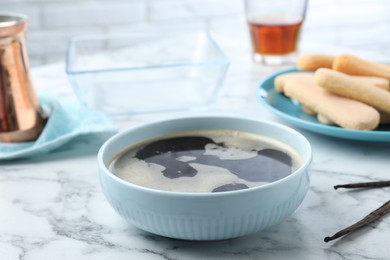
(370,218)
(374,184)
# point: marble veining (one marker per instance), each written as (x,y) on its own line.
(52,207)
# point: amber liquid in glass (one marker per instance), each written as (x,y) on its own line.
(274,37)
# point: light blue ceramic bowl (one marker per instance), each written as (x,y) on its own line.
(205,216)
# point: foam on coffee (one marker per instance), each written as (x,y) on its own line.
(206,161)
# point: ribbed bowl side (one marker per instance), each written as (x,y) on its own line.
(204,228)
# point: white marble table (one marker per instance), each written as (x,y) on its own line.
(52,207)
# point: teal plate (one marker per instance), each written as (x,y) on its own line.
(291,112)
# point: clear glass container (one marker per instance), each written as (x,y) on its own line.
(144,72)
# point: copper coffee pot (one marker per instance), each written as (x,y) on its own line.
(21,117)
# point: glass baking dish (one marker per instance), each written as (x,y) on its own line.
(143,72)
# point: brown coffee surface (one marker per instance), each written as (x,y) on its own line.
(206,161)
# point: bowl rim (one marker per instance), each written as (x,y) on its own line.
(221,60)
(165,193)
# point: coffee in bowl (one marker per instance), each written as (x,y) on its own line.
(215,160)
(199,155)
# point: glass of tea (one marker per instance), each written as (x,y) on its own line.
(274,27)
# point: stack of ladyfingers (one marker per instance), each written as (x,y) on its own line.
(343,90)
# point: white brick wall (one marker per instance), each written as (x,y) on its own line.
(91,14)
(361,24)
(358,23)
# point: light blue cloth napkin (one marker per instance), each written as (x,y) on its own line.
(66,120)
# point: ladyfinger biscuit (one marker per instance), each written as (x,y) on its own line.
(347,113)
(376,81)
(353,65)
(308,110)
(349,87)
(314,61)
(324,120)
(280,80)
